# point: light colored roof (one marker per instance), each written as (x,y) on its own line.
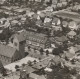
(69,55)
(42,14)
(28,69)
(20,36)
(61,39)
(35,16)
(7,50)
(35,76)
(72,23)
(72,33)
(14,21)
(59,4)
(47,20)
(56,20)
(64,23)
(39,22)
(43,63)
(19,62)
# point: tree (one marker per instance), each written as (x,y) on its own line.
(23,64)
(17,67)
(58,73)
(73,71)
(41,51)
(47,52)
(57,51)
(29,63)
(29,48)
(4,72)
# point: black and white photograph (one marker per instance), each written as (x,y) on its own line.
(39,39)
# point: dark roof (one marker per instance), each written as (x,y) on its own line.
(37,36)
(7,50)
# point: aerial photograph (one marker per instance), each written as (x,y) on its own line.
(39,39)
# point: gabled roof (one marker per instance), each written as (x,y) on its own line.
(56,20)
(37,36)
(72,23)
(65,23)
(39,22)
(61,39)
(28,69)
(7,50)
(43,63)
(20,36)
(67,54)
(73,33)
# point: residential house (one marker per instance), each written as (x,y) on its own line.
(38,0)
(73,25)
(64,23)
(8,54)
(37,40)
(54,2)
(18,41)
(61,40)
(39,23)
(71,34)
(68,55)
(32,72)
(62,0)
(64,4)
(59,5)
(56,21)
(54,6)
(47,20)
(49,9)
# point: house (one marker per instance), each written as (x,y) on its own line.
(71,34)
(38,0)
(37,40)
(18,41)
(32,72)
(47,20)
(39,23)
(59,5)
(56,21)
(61,40)
(68,55)
(73,25)
(54,6)
(64,23)
(64,4)
(54,2)
(8,54)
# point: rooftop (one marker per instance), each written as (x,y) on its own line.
(8,52)
(70,15)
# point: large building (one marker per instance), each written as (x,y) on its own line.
(37,40)
(8,54)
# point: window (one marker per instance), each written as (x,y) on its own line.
(15,43)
